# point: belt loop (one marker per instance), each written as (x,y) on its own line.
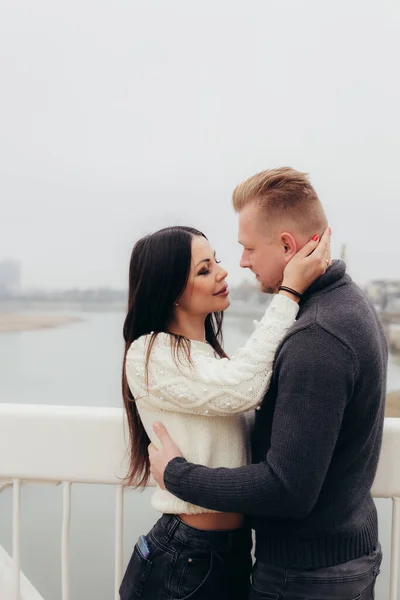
(171,526)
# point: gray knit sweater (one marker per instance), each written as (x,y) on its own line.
(316,440)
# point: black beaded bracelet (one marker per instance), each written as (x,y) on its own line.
(288,289)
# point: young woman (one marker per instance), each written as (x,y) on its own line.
(175,371)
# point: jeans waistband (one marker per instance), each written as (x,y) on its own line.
(173,526)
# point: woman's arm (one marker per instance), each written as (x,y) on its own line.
(211,386)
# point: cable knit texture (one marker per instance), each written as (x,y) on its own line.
(317,437)
(202,402)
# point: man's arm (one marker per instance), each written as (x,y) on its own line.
(316,375)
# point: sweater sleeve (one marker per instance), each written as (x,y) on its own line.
(314,386)
(210,385)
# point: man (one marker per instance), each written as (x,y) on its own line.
(317,437)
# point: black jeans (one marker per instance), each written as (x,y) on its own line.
(189,563)
(354,580)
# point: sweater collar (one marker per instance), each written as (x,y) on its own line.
(335,275)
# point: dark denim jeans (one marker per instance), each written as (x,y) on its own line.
(189,563)
(354,580)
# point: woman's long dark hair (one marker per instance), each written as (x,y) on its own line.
(158,273)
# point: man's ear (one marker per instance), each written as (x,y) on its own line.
(289,245)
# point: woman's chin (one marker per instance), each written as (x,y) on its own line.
(221,305)
(226,304)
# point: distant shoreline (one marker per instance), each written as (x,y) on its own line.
(17,322)
(393,404)
(12,322)
(394,340)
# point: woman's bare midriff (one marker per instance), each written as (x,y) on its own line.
(214,521)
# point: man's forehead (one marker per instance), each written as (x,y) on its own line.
(252,224)
(249,213)
(247,222)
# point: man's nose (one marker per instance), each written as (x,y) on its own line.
(244,262)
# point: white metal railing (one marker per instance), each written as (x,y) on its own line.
(49,444)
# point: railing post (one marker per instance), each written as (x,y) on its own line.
(119,523)
(394,554)
(16,538)
(66,521)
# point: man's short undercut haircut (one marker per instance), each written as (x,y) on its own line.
(282,195)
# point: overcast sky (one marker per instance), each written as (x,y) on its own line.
(119,117)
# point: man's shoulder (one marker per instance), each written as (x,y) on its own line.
(344,314)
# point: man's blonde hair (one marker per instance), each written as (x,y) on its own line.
(283,194)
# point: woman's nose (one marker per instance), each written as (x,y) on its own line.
(222,274)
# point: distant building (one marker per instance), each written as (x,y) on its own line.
(10,277)
(384,293)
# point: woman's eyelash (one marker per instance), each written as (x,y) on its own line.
(207,271)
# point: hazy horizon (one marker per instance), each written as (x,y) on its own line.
(120,118)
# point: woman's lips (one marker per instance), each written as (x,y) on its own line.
(223,292)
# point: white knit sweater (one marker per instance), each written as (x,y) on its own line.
(202,404)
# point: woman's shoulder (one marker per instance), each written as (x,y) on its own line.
(163,349)
(141,345)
